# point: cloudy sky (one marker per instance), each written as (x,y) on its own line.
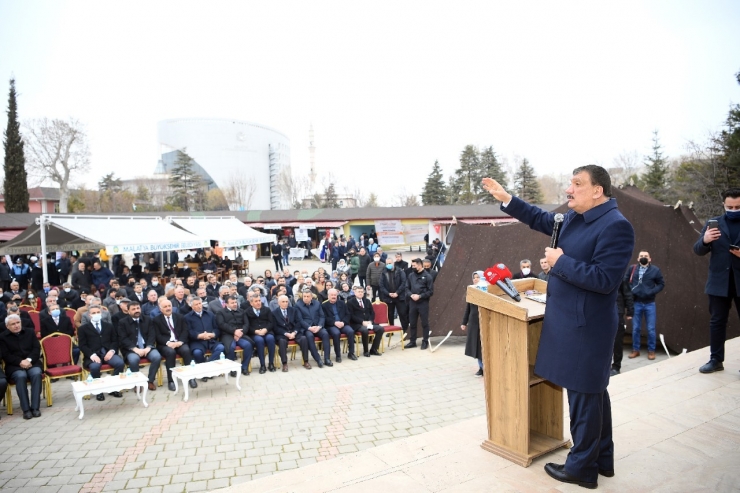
(389,86)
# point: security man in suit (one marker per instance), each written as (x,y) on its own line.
(723,283)
(575,351)
(311,319)
(420,288)
(136,338)
(393,293)
(261,330)
(171,333)
(99,345)
(234,327)
(287,328)
(203,332)
(337,322)
(362,318)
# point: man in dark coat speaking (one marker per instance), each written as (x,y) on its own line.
(595,246)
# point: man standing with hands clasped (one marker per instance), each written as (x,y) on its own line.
(578,331)
(720,237)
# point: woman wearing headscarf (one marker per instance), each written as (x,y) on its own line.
(471,323)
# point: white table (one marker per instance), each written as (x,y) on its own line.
(207,369)
(110,384)
(299,253)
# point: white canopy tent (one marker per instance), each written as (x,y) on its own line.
(227,230)
(117,234)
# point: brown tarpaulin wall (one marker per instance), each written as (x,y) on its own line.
(667,233)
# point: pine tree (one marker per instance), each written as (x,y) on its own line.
(330,199)
(16,183)
(186,184)
(526,186)
(435,191)
(655,178)
(109,183)
(467,175)
(489,167)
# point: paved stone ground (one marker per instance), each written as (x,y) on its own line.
(223,437)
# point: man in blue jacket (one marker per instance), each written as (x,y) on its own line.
(721,241)
(311,320)
(580,324)
(203,332)
(645,281)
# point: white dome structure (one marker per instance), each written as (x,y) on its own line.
(227,150)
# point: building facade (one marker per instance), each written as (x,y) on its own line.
(230,153)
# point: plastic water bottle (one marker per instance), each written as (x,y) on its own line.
(89,378)
(192,363)
(222,357)
(128,372)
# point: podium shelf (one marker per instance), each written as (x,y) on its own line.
(533,378)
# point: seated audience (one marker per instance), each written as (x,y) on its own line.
(21,352)
(171,333)
(362,316)
(337,323)
(234,327)
(99,346)
(136,338)
(261,330)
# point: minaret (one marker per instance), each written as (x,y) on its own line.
(312,156)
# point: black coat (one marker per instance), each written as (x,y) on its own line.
(473,341)
(127,334)
(625,305)
(17,347)
(162,330)
(721,263)
(90,342)
(399,278)
(264,321)
(81,280)
(421,284)
(645,289)
(358,315)
(229,321)
(342,311)
(49,327)
(290,325)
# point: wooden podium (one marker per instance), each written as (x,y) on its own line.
(525,411)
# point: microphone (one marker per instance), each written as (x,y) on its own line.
(500,275)
(556,230)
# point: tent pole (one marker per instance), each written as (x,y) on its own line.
(42,222)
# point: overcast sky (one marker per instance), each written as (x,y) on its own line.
(389,86)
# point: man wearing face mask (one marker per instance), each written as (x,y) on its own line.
(99,346)
(219,304)
(720,237)
(525,270)
(645,282)
(420,286)
(393,294)
(373,274)
(157,286)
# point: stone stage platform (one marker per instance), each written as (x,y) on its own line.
(675,430)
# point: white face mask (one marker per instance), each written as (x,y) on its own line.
(155,283)
(96,318)
(526,270)
(67,290)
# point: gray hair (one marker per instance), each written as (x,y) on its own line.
(9,318)
(224,289)
(525,261)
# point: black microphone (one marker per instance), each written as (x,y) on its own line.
(556,230)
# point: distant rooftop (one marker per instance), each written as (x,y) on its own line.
(40,193)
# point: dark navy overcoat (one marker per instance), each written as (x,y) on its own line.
(580,322)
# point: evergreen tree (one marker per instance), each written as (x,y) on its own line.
(109,183)
(186,185)
(372,200)
(330,199)
(15,184)
(489,167)
(655,178)
(526,186)
(466,176)
(435,191)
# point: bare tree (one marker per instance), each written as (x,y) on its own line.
(405,199)
(239,191)
(626,165)
(57,149)
(293,188)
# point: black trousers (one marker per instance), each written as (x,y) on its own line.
(376,292)
(400,308)
(311,339)
(365,335)
(591,431)
(283,347)
(362,281)
(336,335)
(419,309)
(170,356)
(278,262)
(719,311)
(619,344)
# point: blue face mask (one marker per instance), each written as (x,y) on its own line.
(47,289)
(733,215)
(389,266)
(55,313)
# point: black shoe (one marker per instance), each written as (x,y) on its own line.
(479,373)
(204,379)
(171,386)
(366,354)
(557,471)
(271,367)
(27,414)
(320,364)
(338,359)
(711,367)
(100,397)
(424,345)
(410,345)
(614,372)
(245,372)
(193,384)
(352,357)
(375,352)
(36,413)
(328,362)
(607,473)
(263,369)
(116,394)
(232,374)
